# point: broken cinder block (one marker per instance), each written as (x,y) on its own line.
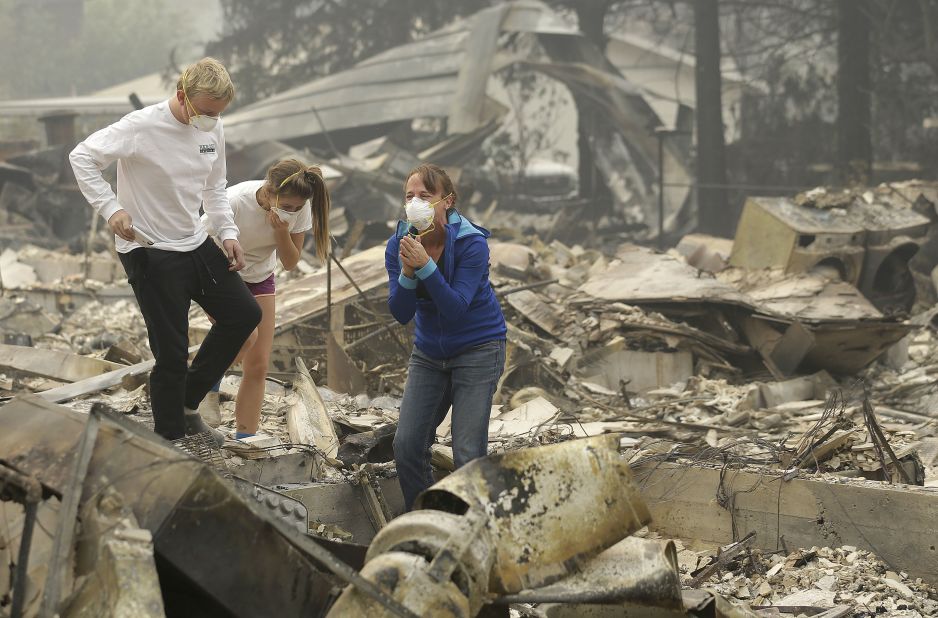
(124,352)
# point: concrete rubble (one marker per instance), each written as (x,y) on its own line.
(753,439)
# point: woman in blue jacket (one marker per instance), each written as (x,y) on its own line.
(438,271)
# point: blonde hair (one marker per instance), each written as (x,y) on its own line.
(207,76)
(294,178)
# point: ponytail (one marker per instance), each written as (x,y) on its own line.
(320,202)
(291,177)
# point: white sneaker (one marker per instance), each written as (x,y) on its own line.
(210,410)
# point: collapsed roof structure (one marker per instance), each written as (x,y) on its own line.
(446,75)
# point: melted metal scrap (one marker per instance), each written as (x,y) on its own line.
(579,494)
(642,572)
(505,523)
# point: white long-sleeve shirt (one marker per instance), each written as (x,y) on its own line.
(165,171)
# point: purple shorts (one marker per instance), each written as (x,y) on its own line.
(262,288)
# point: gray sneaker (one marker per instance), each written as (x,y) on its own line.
(210,409)
(195,425)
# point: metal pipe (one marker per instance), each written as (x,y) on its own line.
(522,288)
(329,288)
(660,133)
(32,495)
(62,544)
(367,301)
(369,336)
(26,539)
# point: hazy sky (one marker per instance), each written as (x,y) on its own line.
(204,17)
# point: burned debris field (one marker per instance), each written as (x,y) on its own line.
(518,308)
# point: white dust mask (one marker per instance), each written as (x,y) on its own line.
(285,215)
(203,122)
(419,213)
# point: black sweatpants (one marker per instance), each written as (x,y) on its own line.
(165,282)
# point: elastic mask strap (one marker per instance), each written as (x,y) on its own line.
(185,95)
(285,181)
(426,231)
(440,200)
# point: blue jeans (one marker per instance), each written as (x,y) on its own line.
(467,382)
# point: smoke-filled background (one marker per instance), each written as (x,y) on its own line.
(807,92)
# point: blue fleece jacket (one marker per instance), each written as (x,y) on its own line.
(462,310)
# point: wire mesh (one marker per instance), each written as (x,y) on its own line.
(202,446)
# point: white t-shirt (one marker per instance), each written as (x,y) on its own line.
(165,171)
(257,237)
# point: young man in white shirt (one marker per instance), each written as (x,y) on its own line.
(170,160)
